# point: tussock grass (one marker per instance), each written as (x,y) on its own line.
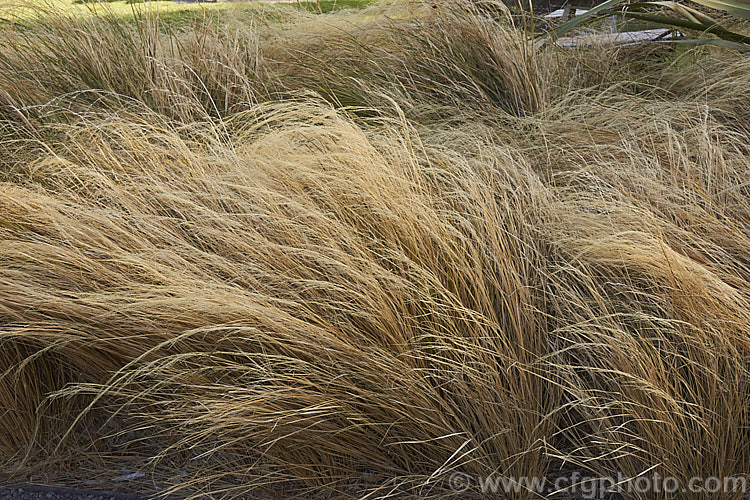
(352,256)
(185,76)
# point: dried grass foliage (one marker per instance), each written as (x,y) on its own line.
(449,262)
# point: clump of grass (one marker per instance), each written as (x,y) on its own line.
(184,75)
(355,319)
(448,55)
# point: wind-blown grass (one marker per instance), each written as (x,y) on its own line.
(355,257)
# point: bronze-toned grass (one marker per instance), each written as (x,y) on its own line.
(351,258)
